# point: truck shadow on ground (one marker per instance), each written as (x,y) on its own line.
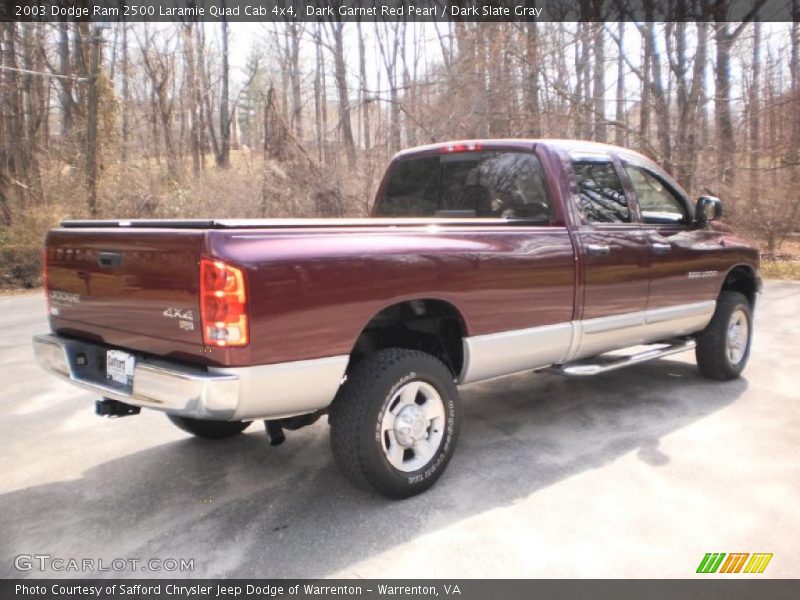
(242,509)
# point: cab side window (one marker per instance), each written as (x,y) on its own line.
(657,203)
(602,198)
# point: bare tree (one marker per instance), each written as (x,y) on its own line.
(363,99)
(599,79)
(532,56)
(620,126)
(388,45)
(688,93)
(335,29)
(794,75)
(725,37)
(294,33)
(160,68)
(754,109)
(320,93)
(224,152)
(67,101)
(125,76)
(192,95)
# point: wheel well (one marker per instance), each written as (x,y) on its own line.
(432,326)
(742,279)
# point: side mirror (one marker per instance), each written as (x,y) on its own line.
(708,208)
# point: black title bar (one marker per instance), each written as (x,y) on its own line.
(394,10)
(366,589)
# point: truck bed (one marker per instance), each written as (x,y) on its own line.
(283,223)
(333,275)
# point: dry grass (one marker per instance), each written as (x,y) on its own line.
(785,264)
(781,269)
(250,188)
(20,292)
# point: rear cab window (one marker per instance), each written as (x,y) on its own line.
(490,184)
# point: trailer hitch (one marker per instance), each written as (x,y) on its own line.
(107,407)
(275,427)
(274,432)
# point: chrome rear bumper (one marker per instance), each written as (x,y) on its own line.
(264,391)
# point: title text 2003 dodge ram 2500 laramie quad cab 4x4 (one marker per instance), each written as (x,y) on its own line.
(481,259)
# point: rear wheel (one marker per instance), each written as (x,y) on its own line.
(723,347)
(394,422)
(211,430)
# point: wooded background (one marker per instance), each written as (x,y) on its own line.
(151,120)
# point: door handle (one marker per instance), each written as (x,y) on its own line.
(660,248)
(109,260)
(597,250)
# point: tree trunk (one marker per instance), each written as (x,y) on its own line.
(794,68)
(324,103)
(224,155)
(319,74)
(296,31)
(65,82)
(644,103)
(388,44)
(362,90)
(340,75)
(599,83)
(14,165)
(408,93)
(125,73)
(91,123)
(754,109)
(35,111)
(725,142)
(660,100)
(204,100)
(688,100)
(620,131)
(191,94)
(583,96)
(532,89)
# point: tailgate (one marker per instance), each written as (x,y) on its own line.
(140,281)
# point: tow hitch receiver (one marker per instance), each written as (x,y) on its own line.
(275,427)
(275,432)
(114,408)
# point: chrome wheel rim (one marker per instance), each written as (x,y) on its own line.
(412,427)
(738,335)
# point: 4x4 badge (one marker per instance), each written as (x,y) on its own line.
(177,313)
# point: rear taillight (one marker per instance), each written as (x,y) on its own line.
(44,282)
(223,304)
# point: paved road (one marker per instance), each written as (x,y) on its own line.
(632,474)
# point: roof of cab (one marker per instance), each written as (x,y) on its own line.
(562,145)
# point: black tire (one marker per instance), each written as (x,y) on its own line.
(712,343)
(210,430)
(357,412)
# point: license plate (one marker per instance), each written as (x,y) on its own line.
(119,367)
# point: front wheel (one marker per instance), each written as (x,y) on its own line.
(211,430)
(723,347)
(395,421)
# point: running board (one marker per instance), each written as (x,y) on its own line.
(585,368)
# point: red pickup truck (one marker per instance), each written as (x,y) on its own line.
(481,259)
